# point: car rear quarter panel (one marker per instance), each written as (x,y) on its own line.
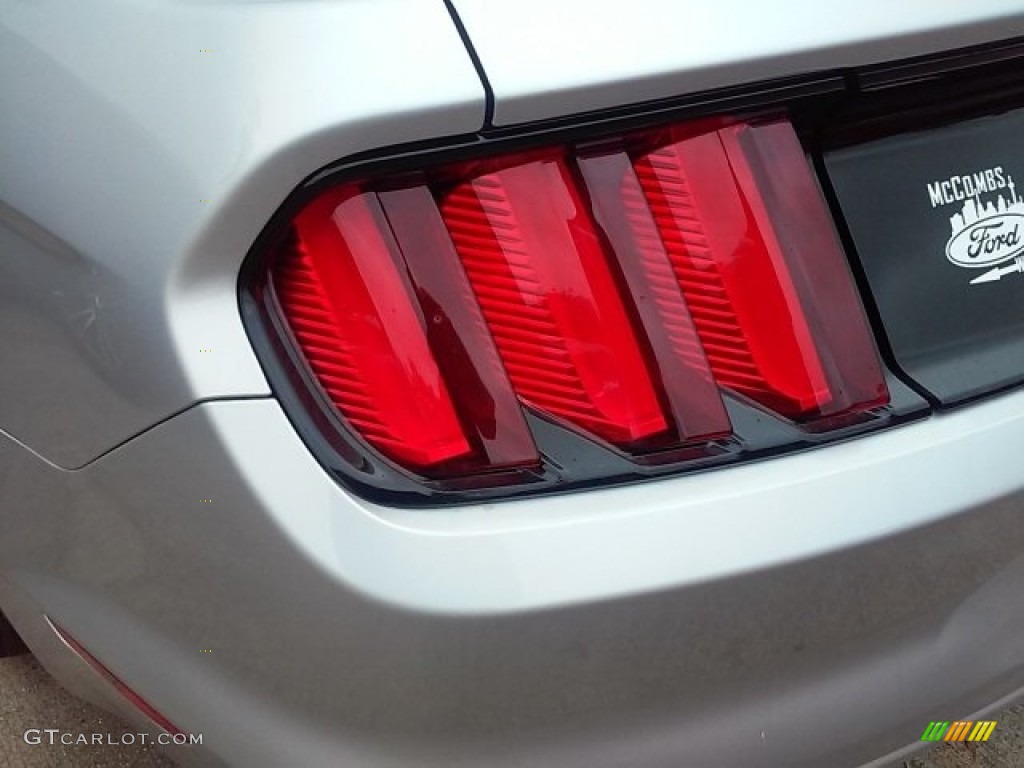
(143,146)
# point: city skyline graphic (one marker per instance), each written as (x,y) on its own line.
(973,210)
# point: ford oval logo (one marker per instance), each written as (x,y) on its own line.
(988,241)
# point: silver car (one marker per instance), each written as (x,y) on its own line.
(461,383)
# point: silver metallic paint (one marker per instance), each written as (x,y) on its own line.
(809,610)
(547,59)
(115,126)
(857,590)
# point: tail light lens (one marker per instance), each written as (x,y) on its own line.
(544,282)
(377,342)
(614,291)
(351,308)
(755,253)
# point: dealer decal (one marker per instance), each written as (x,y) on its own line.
(988,225)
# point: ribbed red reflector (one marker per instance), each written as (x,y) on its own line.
(543,281)
(351,309)
(773,170)
(457,331)
(758,261)
(625,219)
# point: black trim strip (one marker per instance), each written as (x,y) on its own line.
(927,93)
(922,68)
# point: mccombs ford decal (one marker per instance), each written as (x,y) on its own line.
(988,226)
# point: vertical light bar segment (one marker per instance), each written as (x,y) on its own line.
(541,276)
(457,331)
(344,291)
(775,175)
(737,286)
(758,260)
(621,211)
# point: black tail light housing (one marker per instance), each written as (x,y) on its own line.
(577,308)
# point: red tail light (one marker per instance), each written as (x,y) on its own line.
(344,286)
(682,368)
(755,254)
(613,290)
(543,281)
(351,309)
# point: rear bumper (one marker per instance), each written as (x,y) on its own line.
(816,609)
